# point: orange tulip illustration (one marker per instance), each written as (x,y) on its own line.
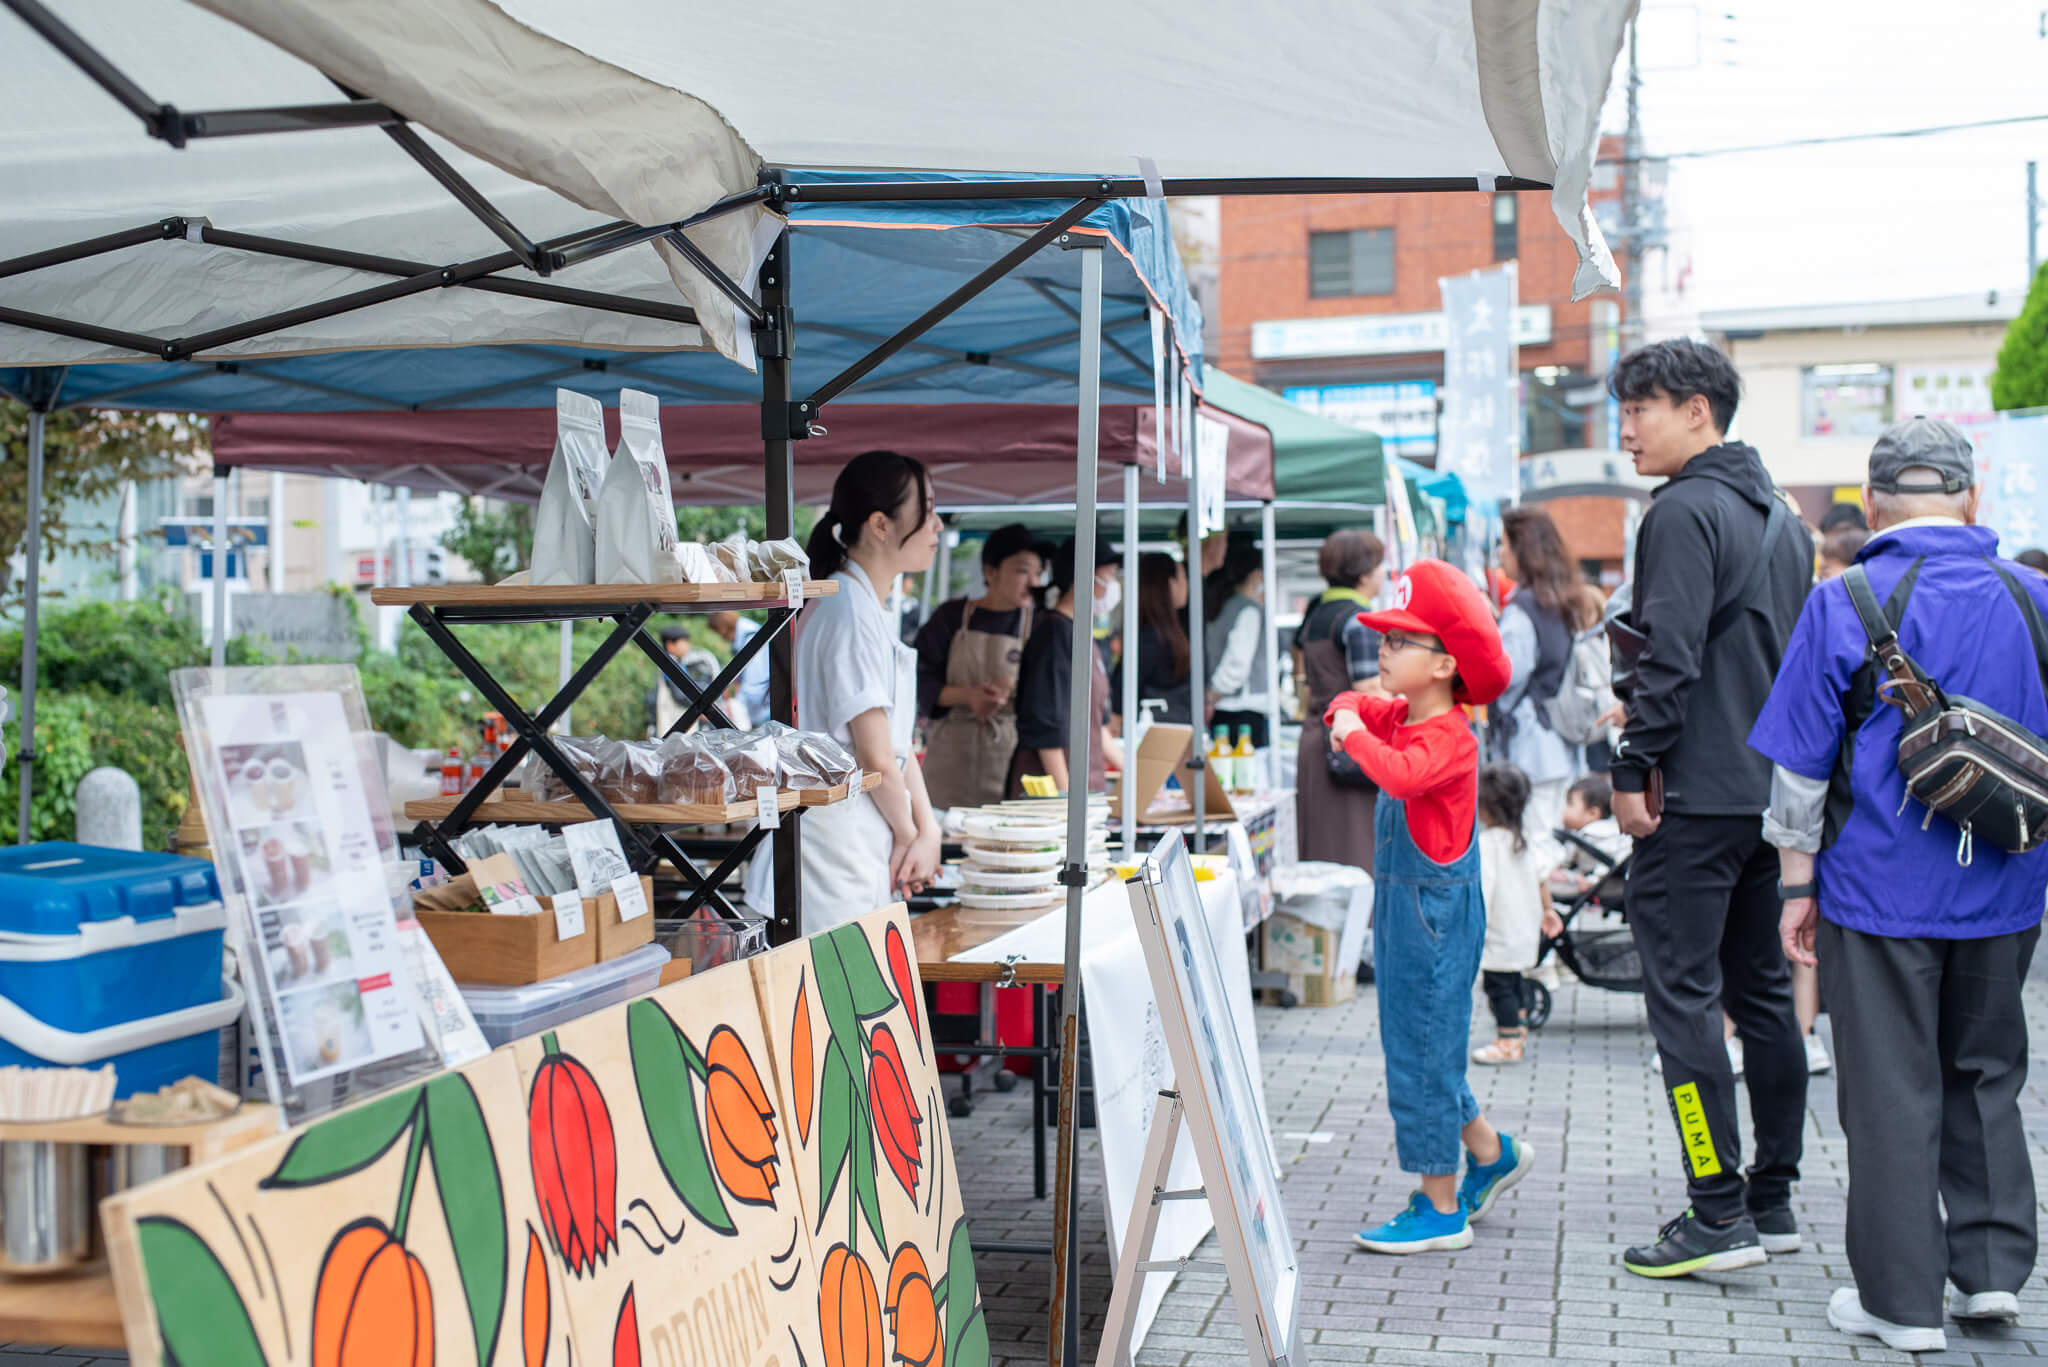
(742,1123)
(849,1314)
(898,1122)
(800,1060)
(372,1306)
(534,1313)
(913,1310)
(575,1160)
(626,1336)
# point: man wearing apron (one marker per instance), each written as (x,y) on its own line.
(967,660)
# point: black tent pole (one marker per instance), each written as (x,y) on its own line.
(773,338)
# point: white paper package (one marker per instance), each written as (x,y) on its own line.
(636,516)
(564,540)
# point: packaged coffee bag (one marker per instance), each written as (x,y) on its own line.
(564,539)
(636,517)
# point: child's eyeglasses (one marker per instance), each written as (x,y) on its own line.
(1394,640)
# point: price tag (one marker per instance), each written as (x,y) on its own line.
(853,785)
(793,585)
(568,907)
(771,815)
(632,897)
(595,854)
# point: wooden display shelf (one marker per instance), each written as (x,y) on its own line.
(250,1122)
(526,811)
(676,597)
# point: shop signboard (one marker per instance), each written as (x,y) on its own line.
(2012,470)
(1380,334)
(1481,436)
(1402,413)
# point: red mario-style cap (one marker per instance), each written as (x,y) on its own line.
(1432,598)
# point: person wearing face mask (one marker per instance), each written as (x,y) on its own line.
(856,682)
(968,655)
(1045,680)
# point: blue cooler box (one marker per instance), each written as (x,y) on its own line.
(112,956)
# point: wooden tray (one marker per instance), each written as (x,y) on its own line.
(528,811)
(207,1139)
(678,596)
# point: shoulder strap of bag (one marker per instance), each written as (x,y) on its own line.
(2031,614)
(1759,570)
(1915,690)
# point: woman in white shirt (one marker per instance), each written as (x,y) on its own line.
(857,682)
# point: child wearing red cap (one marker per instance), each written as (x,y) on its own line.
(1438,648)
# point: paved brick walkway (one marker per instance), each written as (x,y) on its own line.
(1543,1281)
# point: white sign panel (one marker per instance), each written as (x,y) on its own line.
(1481,437)
(1378,334)
(335,974)
(2012,470)
(1401,413)
(1960,394)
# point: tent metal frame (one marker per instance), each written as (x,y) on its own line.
(786,419)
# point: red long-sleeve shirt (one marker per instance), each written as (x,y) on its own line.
(1431,767)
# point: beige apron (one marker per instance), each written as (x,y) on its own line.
(967,759)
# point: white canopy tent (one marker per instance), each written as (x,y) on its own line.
(490,173)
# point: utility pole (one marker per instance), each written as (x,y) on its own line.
(2033,221)
(1637,225)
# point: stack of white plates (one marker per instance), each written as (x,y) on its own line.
(1015,849)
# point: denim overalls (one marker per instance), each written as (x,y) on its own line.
(1428,928)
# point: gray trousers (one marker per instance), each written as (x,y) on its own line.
(1930,1057)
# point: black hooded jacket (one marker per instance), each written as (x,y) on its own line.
(1694,700)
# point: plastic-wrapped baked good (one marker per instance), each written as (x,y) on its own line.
(699,566)
(582,754)
(773,557)
(732,551)
(810,759)
(691,773)
(751,757)
(628,771)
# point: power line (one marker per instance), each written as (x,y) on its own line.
(1886,134)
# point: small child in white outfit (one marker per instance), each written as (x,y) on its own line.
(1517,908)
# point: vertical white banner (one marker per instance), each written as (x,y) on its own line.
(1158,391)
(1481,438)
(1212,458)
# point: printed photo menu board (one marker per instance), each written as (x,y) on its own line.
(332,970)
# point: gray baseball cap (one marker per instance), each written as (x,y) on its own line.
(1922,444)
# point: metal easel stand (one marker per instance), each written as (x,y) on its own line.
(645,846)
(1135,1260)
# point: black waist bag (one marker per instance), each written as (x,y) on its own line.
(1977,767)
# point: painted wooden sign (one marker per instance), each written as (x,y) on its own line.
(660,1160)
(401,1233)
(853,1057)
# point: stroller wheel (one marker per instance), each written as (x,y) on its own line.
(1538,1010)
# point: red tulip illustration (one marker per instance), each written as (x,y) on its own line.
(906,986)
(897,1119)
(742,1128)
(626,1337)
(575,1160)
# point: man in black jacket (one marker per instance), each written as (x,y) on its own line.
(1719,580)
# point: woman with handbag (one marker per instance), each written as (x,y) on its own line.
(1335,652)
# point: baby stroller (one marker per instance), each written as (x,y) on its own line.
(1596,943)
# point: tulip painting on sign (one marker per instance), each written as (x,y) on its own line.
(870,1152)
(401,1233)
(659,1158)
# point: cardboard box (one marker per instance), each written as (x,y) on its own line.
(1163,751)
(1321,964)
(511,950)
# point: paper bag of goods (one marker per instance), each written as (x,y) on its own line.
(564,536)
(636,517)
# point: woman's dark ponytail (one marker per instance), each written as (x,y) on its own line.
(872,482)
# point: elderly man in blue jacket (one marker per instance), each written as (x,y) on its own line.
(1923,941)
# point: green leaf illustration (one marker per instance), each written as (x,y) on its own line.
(872,995)
(966,1330)
(668,1106)
(836,1116)
(199,1315)
(472,1200)
(835,996)
(346,1143)
(864,1171)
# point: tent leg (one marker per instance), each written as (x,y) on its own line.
(1128,786)
(565,668)
(1270,556)
(220,567)
(938,585)
(1064,1346)
(1195,775)
(32,543)
(275,531)
(778,459)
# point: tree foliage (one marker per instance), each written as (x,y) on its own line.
(2021,380)
(497,538)
(86,457)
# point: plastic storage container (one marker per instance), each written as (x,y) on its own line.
(112,956)
(508,1013)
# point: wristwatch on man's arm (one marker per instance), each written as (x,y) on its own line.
(1798,892)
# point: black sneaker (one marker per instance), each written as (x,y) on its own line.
(1689,1244)
(1777,1229)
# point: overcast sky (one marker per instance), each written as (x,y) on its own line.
(1870,220)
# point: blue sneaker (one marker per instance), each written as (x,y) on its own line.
(1484,1183)
(1421,1228)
